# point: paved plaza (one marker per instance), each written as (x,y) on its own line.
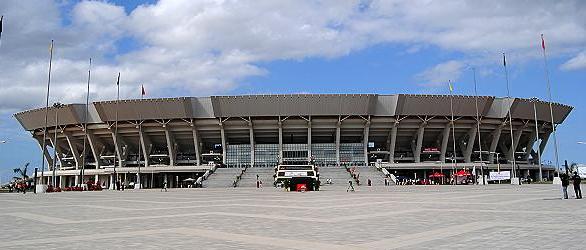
(396,217)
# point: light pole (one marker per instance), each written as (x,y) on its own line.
(56,107)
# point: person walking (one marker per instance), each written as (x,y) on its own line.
(164,186)
(565,184)
(576,181)
(350,186)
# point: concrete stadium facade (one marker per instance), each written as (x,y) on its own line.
(180,136)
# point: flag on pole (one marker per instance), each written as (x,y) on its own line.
(142,89)
(2,18)
(51,47)
(504,60)
(118,81)
(542,42)
(451,86)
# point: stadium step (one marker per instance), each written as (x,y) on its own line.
(339,176)
(222,178)
(376,176)
(264,174)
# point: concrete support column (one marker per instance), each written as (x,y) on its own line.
(496,135)
(58,155)
(393,142)
(419,143)
(365,142)
(145,144)
(46,153)
(251,135)
(118,148)
(170,146)
(445,140)
(61,181)
(470,144)
(223,135)
(73,150)
(280,141)
(196,145)
(309,153)
(529,145)
(76,179)
(516,137)
(93,142)
(544,140)
(338,142)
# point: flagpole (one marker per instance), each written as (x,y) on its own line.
(46,116)
(85,122)
(555,141)
(513,149)
(537,138)
(454,161)
(116,129)
(478,126)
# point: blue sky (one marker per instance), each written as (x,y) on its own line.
(201,48)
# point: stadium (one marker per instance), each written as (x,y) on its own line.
(211,139)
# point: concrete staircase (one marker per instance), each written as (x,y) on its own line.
(339,176)
(264,174)
(222,178)
(372,173)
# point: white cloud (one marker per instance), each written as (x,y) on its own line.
(440,74)
(576,63)
(208,46)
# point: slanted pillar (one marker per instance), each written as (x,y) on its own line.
(146,145)
(516,137)
(338,142)
(58,154)
(280,141)
(496,135)
(117,148)
(365,141)
(445,140)
(419,143)
(393,142)
(170,146)
(529,145)
(93,142)
(251,135)
(73,149)
(196,144)
(543,143)
(223,135)
(470,144)
(46,153)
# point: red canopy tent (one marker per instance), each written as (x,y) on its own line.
(462,173)
(436,175)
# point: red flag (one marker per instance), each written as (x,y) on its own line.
(542,42)
(143,92)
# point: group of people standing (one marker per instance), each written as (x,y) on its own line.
(576,180)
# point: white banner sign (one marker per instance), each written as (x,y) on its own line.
(499,176)
(295,173)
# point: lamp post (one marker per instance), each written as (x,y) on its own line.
(56,107)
